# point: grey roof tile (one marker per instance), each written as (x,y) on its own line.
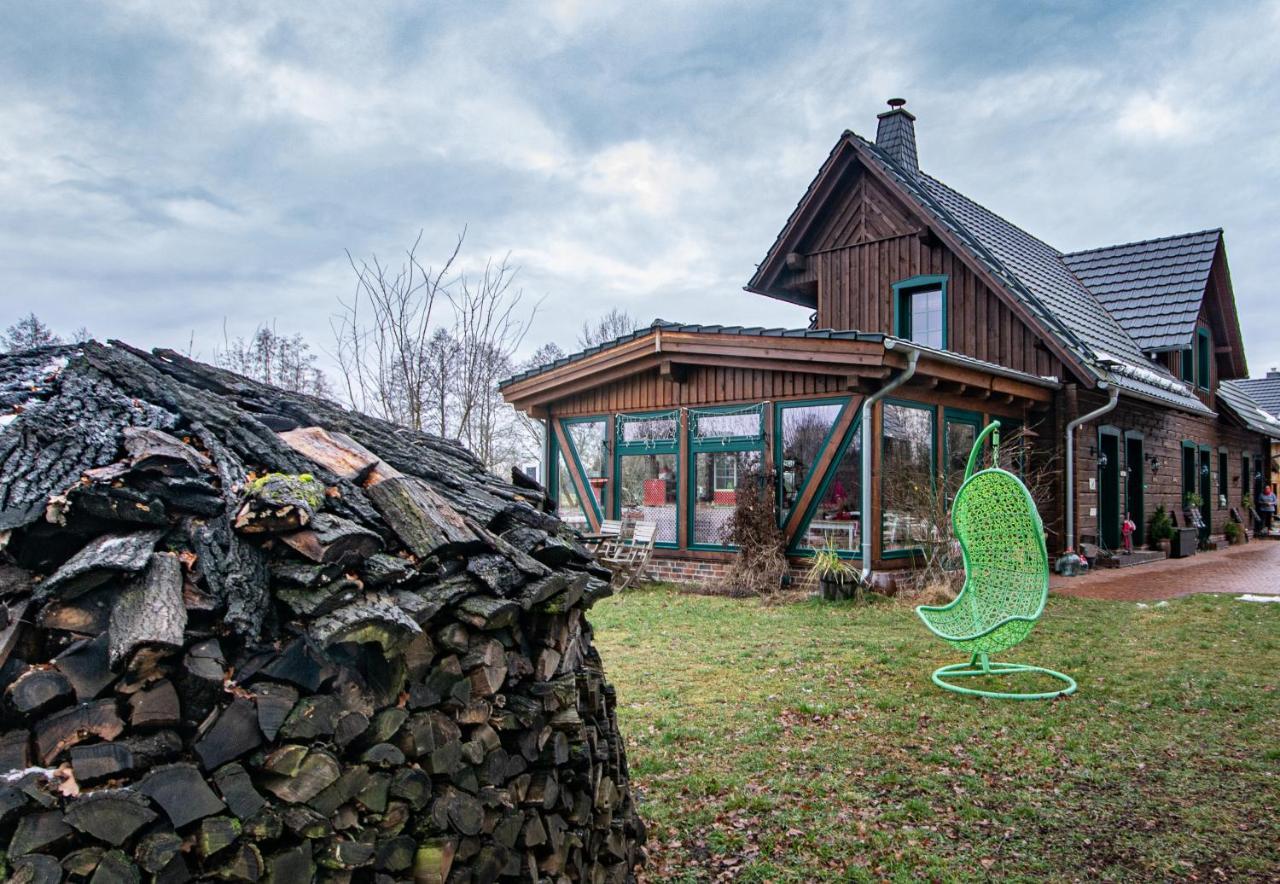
(1264,391)
(1035,273)
(1153,288)
(1241,397)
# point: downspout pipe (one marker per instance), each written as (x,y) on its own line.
(913,358)
(1071,461)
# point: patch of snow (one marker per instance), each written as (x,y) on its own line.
(1250,597)
(15,774)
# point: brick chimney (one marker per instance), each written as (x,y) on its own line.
(1273,374)
(896,136)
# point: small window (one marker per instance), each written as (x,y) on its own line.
(724,473)
(921,311)
(1188,366)
(1204,359)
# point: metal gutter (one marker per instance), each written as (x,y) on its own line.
(976,364)
(1071,461)
(913,359)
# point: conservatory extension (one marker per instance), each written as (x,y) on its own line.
(666,425)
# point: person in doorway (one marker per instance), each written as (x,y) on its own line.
(1267,507)
(1126,533)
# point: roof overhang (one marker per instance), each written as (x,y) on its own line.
(865,361)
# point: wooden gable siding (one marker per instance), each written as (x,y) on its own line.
(863,211)
(651,390)
(855,291)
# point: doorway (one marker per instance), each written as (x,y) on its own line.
(1134,486)
(1206,492)
(1109,488)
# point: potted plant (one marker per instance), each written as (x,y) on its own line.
(1233,532)
(834,577)
(1161,530)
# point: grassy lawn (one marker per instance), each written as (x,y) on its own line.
(804,742)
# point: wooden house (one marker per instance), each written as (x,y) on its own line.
(931,315)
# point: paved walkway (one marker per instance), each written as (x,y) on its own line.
(1251,567)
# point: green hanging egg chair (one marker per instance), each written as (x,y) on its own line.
(1006,578)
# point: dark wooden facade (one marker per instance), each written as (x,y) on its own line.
(853,239)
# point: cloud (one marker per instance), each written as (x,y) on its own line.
(166,165)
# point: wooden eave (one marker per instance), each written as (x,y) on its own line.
(863,363)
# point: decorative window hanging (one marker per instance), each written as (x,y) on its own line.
(648,430)
(726,426)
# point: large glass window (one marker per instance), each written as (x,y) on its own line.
(647,491)
(727,450)
(837,514)
(587,438)
(907,496)
(717,478)
(802,434)
(959,434)
(570,507)
(647,472)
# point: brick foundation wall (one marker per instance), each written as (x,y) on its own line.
(700,572)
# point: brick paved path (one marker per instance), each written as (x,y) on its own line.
(1252,567)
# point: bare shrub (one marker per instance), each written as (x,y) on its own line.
(761,561)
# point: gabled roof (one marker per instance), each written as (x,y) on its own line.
(1034,273)
(1153,288)
(1264,391)
(1237,397)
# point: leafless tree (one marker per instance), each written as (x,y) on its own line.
(613,324)
(28,333)
(382,333)
(427,347)
(285,361)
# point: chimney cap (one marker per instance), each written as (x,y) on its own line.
(896,103)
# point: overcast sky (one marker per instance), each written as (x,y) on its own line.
(168,166)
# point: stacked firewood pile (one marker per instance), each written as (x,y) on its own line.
(249,636)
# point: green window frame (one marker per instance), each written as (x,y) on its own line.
(566,423)
(642,447)
(963,418)
(902,293)
(1224,481)
(795,547)
(712,445)
(933,469)
(1190,477)
(1204,358)
(779,446)
(1187,365)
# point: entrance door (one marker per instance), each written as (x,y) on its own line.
(1206,492)
(1109,490)
(1133,488)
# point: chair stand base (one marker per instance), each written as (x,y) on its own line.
(976,668)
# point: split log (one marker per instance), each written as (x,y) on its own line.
(425,523)
(97,762)
(103,557)
(155,451)
(86,665)
(61,731)
(39,690)
(334,540)
(112,817)
(374,618)
(150,611)
(336,452)
(278,502)
(233,734)
(182,793)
